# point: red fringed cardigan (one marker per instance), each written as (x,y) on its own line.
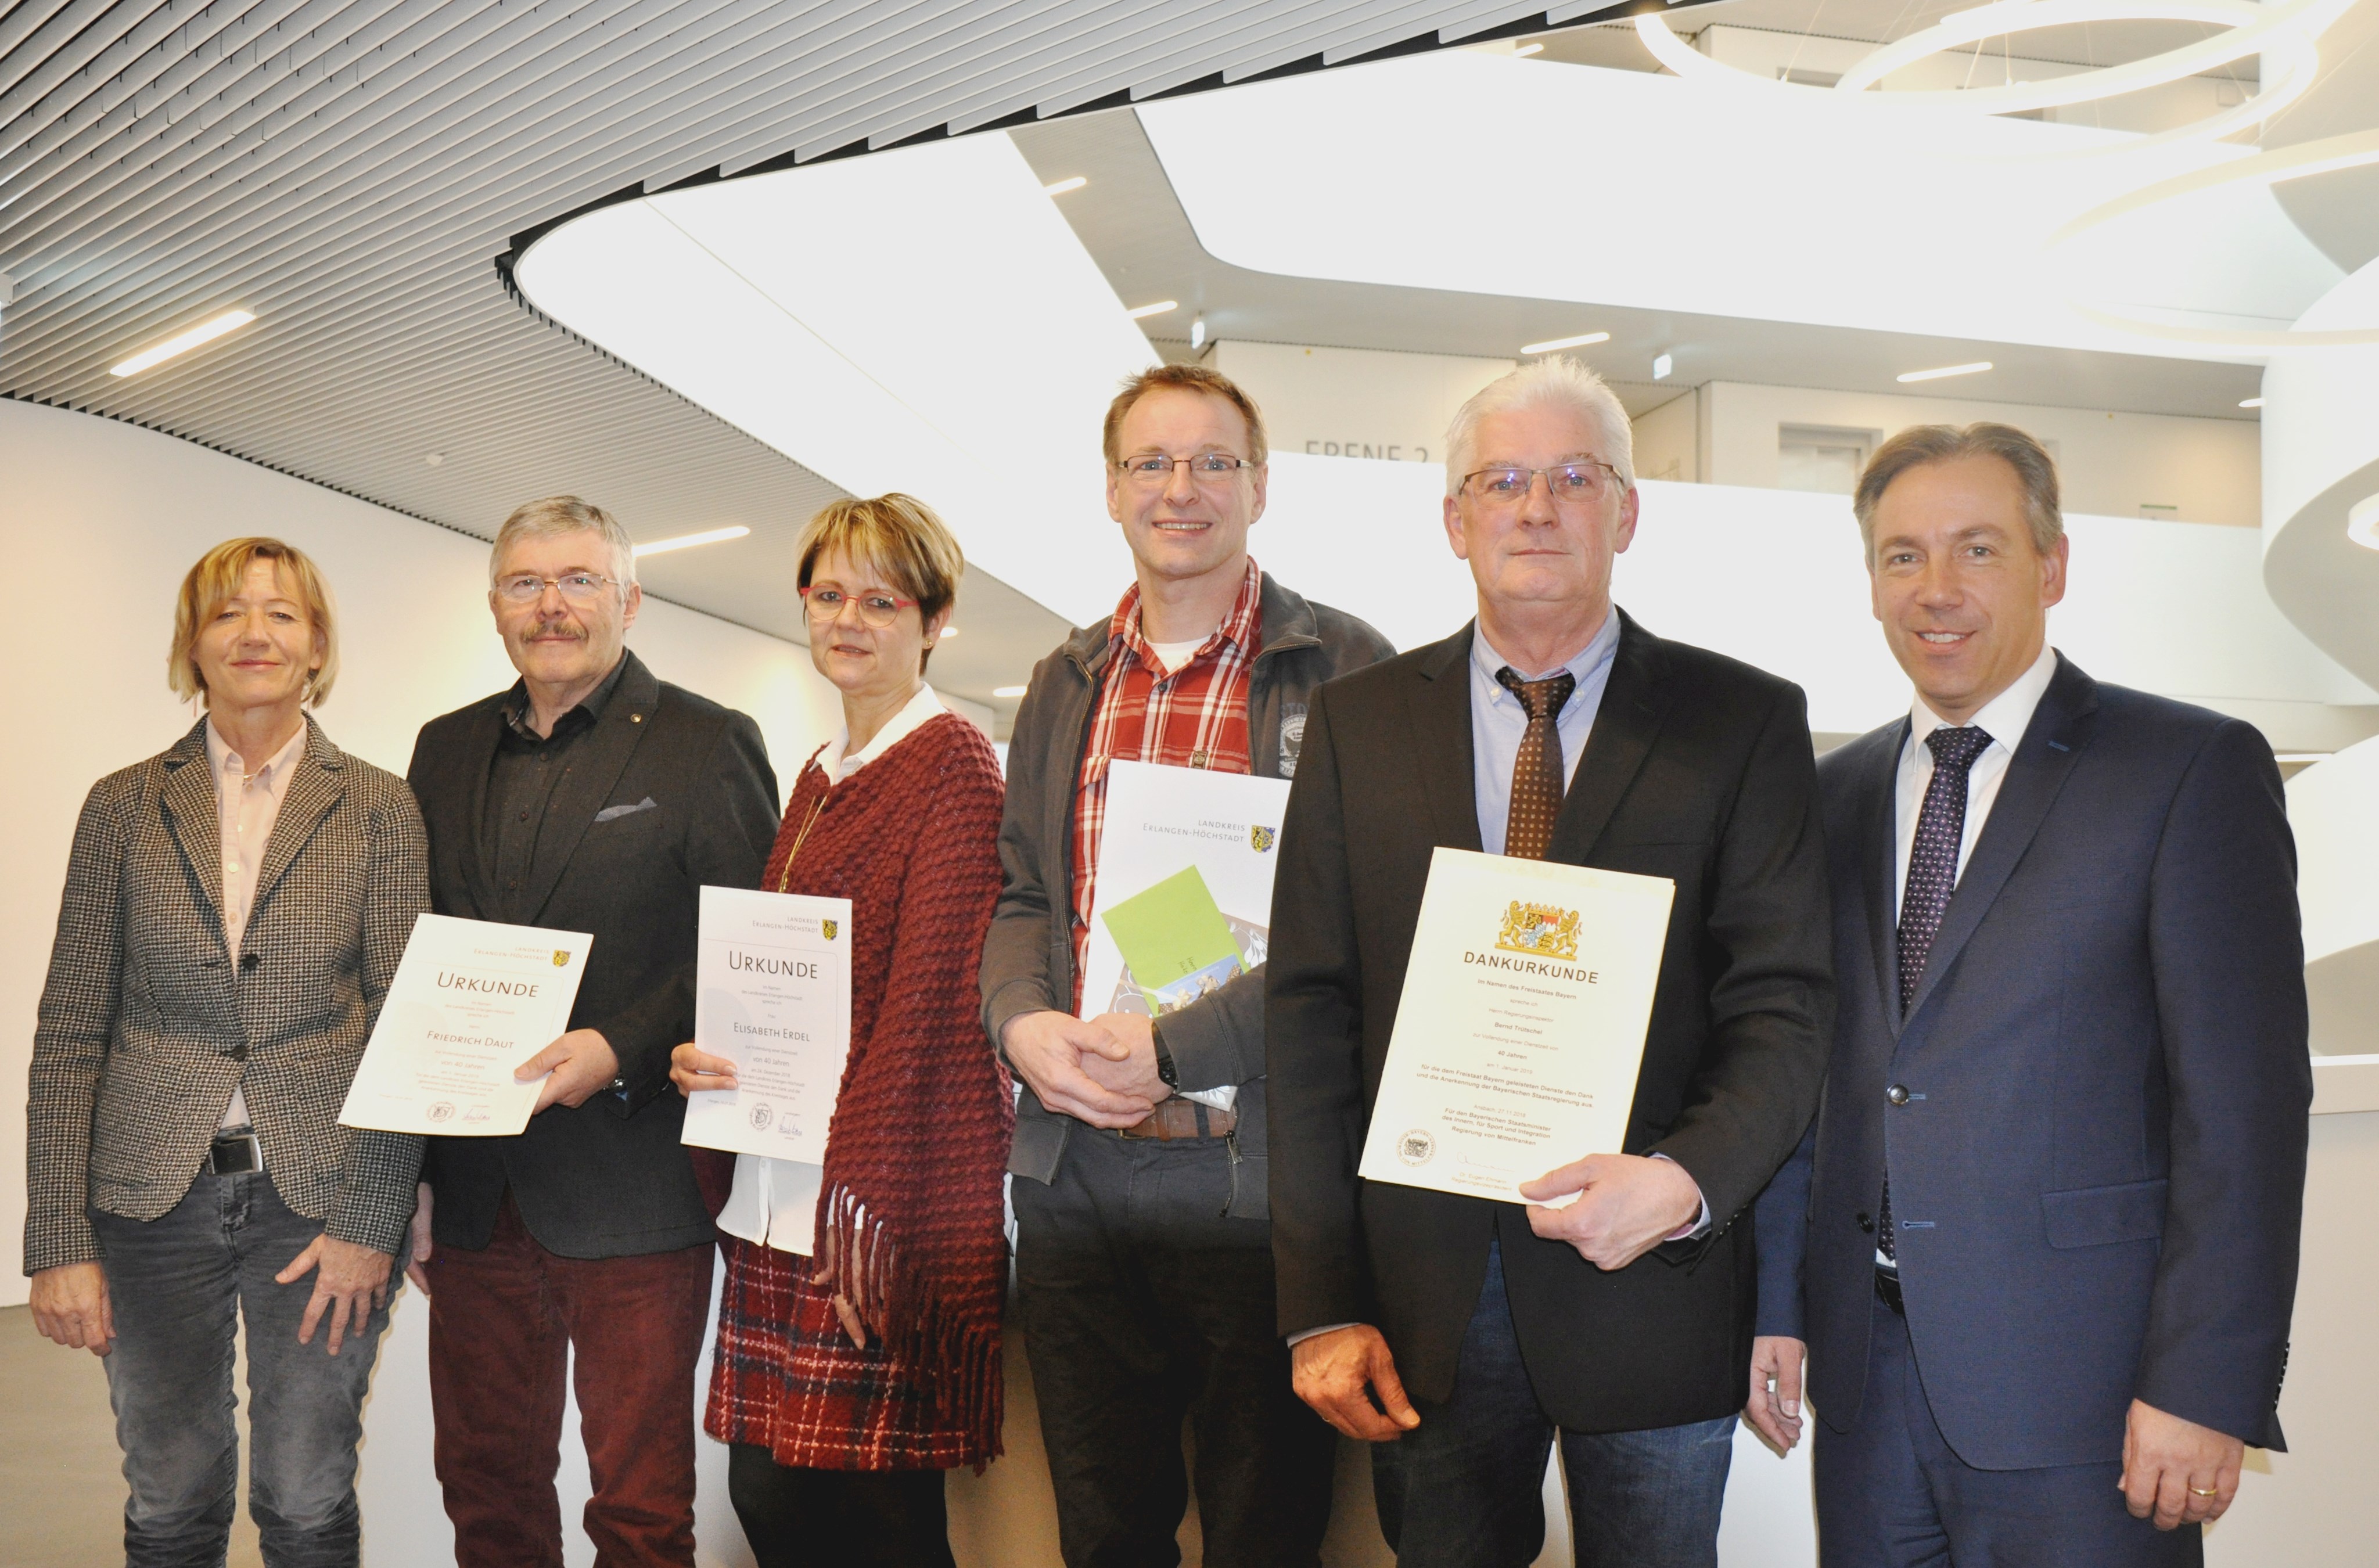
(917,1148)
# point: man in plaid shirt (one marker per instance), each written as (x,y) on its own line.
(1144,1265)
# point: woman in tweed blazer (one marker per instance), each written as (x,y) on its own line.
(234,912)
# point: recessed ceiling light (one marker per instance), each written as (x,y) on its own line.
(687,541)
(2251,402)
(1525,50)
(2302,756)
(1008,690)
(1661,365)
(1198,332)
(182,342)
(1551,343)
(1159,308)
(2362,521)
(1062,187)
(1978,367)
(949,630)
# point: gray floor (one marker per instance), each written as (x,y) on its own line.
(61,1477)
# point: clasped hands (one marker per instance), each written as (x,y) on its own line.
(1100,1071)
(1620,1207)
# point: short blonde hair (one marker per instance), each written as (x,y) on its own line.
(1920,445)
(218,575)
(556,515)
(1181,378)
(901,536)
(1559,381)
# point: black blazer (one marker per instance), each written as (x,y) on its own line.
(2097,1174)
(1699,769)
(610,1178)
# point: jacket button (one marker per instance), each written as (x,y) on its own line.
(239,1052)
(1866,1223)
(248,962)
(1897,1094)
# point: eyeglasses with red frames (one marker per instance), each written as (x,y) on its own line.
(876,610)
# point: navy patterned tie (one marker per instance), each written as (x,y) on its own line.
(1932,876)
(1537,779)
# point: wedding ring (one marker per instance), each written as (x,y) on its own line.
(2203,1491)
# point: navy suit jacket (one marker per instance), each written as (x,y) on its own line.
(2097,1173)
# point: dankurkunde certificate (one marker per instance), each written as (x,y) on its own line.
(772,994)
(1521,1026)
(472,1000)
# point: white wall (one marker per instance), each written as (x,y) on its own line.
(1361,403)
(2112,464)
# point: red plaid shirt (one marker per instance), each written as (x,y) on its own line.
(1197,717)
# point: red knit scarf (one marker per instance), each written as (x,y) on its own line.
(910,1212)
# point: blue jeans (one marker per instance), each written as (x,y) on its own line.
(1464,1489)
(179,1285)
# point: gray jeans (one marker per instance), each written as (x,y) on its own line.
(179,1285)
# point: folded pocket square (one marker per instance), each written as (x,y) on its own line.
(611,814)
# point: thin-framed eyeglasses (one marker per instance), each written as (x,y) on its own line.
(876,610)
(1150,469)
(578,587)
(1578,483)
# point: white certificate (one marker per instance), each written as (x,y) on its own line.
(1161,821)
(1521,1026)
(472,1000)
(772,994)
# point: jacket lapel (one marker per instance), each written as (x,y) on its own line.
(1439,708)
(1635,701)
(466,852)
(2060,728)
(1879,815)
(314,786)
(188,803)
(580,794)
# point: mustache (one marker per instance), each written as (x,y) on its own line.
(570,629)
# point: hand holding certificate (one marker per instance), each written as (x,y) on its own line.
(1521,1024)
(772,994)
(472,1000)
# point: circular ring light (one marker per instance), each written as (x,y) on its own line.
(2284,33)
(2353,150)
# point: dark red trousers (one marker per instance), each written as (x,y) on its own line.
(503,1322)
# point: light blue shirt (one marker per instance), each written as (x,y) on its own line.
(1499,722)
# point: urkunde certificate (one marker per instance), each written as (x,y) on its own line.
(772,994)
(1521,1025)
(472,1000)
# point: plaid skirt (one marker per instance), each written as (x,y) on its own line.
(787,1378)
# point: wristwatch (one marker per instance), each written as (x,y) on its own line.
(1165,1068)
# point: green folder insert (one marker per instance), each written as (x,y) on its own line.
(1175,941)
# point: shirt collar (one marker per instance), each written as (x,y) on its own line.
(220,755)
(2004,717)
(1239,627)
(591,705)
(1600,650)
(920,710)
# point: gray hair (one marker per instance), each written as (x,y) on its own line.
(556,515)
(1919,445)
(1559,383)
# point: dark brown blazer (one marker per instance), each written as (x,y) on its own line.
(1699,769)
(608,1179)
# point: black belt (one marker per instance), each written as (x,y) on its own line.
(235,1153)
(1887,1289)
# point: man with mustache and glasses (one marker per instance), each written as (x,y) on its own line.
(1143,1251)
(2040,1246)
(589,797)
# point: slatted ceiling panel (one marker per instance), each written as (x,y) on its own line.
(349,169)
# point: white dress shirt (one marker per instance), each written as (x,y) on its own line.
(2004,719)
(775,1202)
(247,804)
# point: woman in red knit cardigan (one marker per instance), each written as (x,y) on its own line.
(858,1355)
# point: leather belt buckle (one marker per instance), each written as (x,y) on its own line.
(235,1153)
(1887,1289)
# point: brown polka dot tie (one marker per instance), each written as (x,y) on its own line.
(1537,771)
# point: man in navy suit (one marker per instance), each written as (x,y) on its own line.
(2039,1248)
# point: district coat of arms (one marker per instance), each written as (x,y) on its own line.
(1541,931)
(828,927)
(1259,838)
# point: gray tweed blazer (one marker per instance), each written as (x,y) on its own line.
(145,1021)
